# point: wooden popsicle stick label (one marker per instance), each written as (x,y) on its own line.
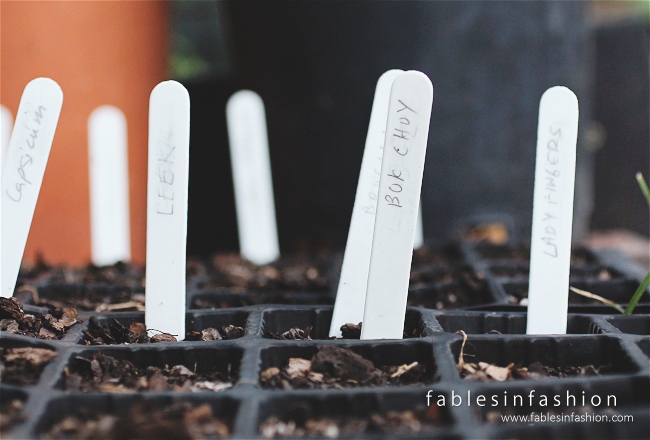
(353,282)
(550,253)
(6,125)
(27,155)
(407,130)
(109,186)
(251,171)
(169,136)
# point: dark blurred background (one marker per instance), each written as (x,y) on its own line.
(316,63)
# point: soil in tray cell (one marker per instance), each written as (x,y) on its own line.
(298,423)
(23,365)
(119,274)
(348,331)
(52,325)
(618,292)
(11,413)
(469,289)
(105,373)
(136,333)
(334,367)
(232,272)
(499,360)
(181,420)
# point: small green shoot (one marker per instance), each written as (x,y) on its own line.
(644,284)
(637,295)
(646,281)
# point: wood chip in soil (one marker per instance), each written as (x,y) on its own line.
(298,423)
(108,374)
(52,325)
(334,367)
(117,333)
(181,420)
(23,366)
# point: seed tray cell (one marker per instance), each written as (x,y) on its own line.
(118,405)
(477,323)
(620,291)
(587,273)
(319,319)
(194,321)
(383,353)
(83,297)
(556,352)
(10,415)
(40,369)
(200,300)
(580,256)
(197,357)
(297,408)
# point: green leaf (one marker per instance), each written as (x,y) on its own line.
(637,295)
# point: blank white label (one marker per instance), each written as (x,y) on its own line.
(400,184)
(251,171)
(109,186)
(353,282)
(29,150)
(550,253)
(169,136)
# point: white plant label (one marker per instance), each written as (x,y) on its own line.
(550,253)
(6,125)
(169,139)
(29,149)
(251,171)
(407,130)
(418,240)
(353,282)
(109,186)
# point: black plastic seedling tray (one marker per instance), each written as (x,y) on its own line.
(495,331)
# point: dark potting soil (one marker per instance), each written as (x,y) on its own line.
(119,274)
(298,423)
(108,374)
(348,331)
(52,325)
(257,298)
(468,290)
(485,372)
(334,367)
(181,420)
(232,272)
(94,300)
(23,366)
(136,333)
(429,266)
(11,414)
